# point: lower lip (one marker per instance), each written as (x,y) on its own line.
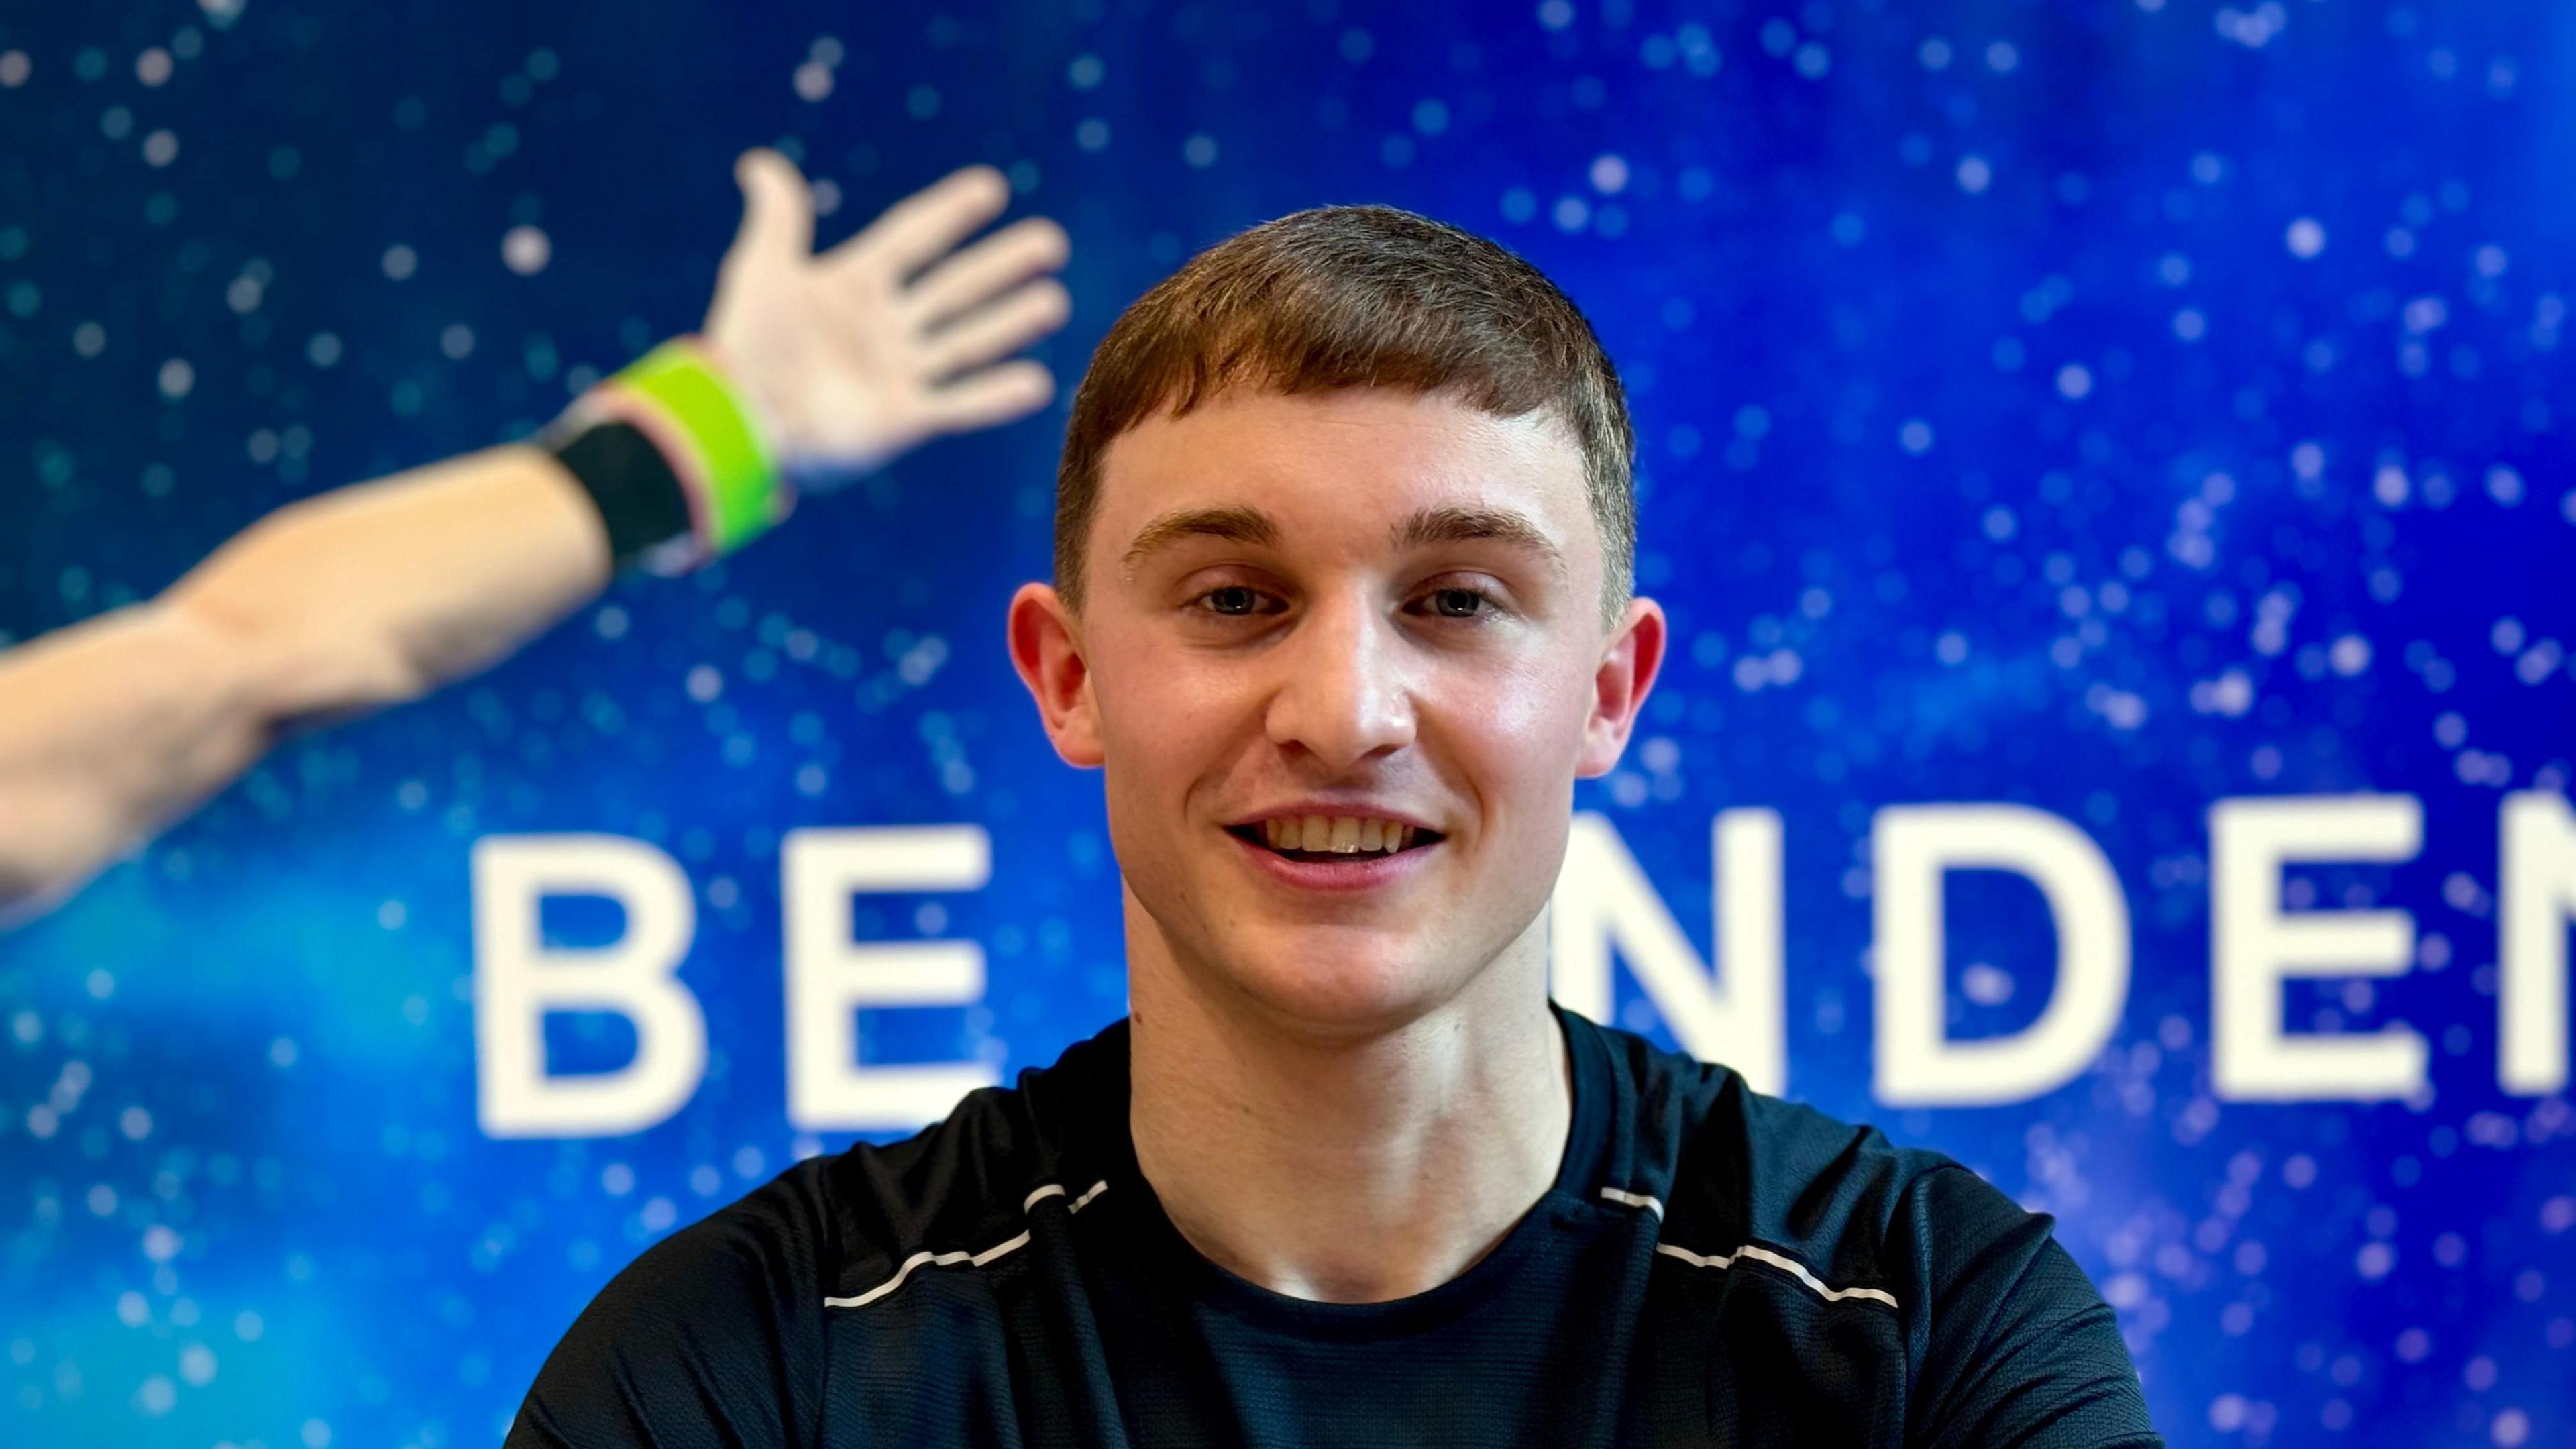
(1360,873)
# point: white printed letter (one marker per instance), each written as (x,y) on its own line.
(1603,901)
(2255,946)
(2538,866)
(518,980)
(1913,847)
(830,976)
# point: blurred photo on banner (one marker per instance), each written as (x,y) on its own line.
(2097,702)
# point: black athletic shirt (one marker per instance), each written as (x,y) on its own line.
(1712,1267)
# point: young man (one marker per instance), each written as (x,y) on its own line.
(1342,610)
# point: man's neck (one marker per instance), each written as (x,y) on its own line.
(1351,1171)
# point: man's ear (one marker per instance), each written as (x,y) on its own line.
(1619,687)
(1046,647)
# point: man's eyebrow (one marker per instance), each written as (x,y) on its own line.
(1424,529)
(1242,525)
(1464,525)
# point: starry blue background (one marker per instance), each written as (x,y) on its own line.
(2105,406)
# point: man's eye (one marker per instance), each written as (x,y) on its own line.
(1234,601)
(1457,603)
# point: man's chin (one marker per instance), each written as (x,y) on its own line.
(1339,984)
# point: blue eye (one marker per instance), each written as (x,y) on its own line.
(1459,604)
(1233,601)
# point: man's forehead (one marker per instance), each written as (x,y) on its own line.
(1394,422)
(1268,470)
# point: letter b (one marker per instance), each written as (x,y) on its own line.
(518,980)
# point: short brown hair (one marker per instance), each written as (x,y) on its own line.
(1356,296)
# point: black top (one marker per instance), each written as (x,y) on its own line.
(1712,1267)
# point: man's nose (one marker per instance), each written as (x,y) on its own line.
(1344,691)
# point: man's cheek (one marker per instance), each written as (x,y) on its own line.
(1172,691)
(1147,706)
(1523,732)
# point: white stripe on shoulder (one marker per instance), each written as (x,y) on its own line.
(1757,1253)
(1634,1199)
(1001,1249)
(1784,1263)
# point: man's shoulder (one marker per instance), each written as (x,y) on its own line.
(735,1300)
(1738,1167)
(967,1181)
(742,1294)
(2004,1338)
(1700,1122)
(854,1214)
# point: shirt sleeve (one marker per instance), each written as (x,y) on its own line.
(713,1337)
(2013,1347)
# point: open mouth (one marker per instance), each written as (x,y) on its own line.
(1324,839)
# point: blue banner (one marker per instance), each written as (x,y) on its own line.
(2103,462)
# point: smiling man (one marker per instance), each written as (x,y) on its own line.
(1342,610)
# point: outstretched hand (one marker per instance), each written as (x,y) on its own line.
(894,336)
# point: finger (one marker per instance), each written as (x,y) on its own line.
(993,396)
(777,209)
(999,330)
(920,229)
(986,270)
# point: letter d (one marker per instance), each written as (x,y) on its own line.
(1914,847)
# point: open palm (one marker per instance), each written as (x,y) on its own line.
(894,336)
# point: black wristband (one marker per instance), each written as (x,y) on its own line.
(628,480)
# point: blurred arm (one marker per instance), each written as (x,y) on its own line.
(381,592)
(360,598)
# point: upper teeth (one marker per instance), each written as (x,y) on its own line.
(1340,834)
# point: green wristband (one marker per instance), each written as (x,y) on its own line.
(734,483)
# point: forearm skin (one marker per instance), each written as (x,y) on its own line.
(346,603)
